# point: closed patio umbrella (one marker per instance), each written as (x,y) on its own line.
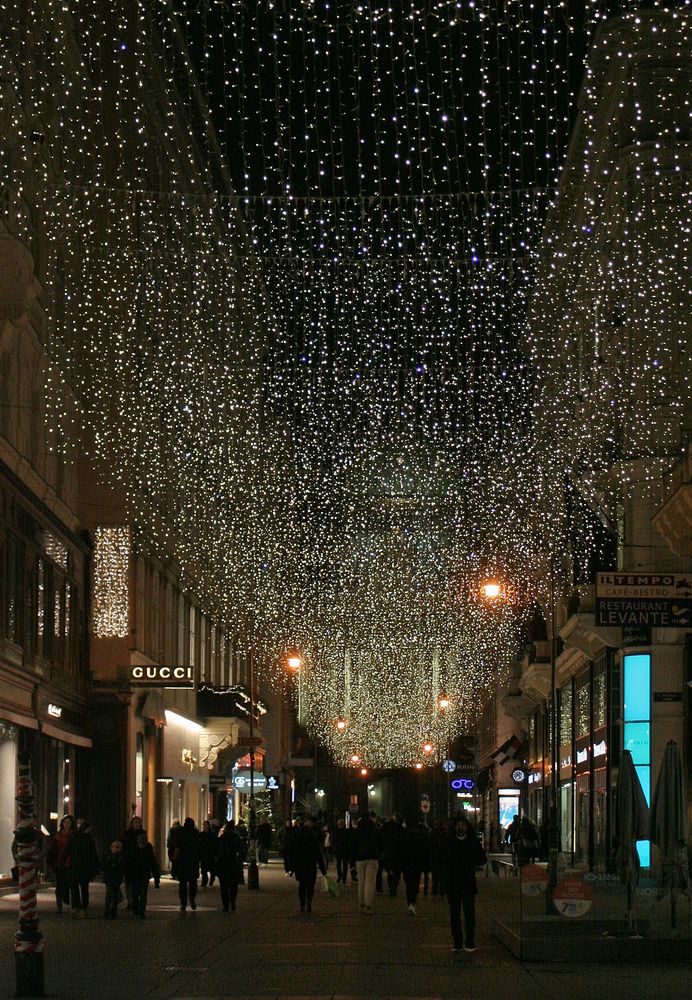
(632,824)
(669,824)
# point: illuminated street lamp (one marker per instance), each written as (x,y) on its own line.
(491,590)
(364,772)
(355,759)
(443,702)
(341,724)
(294,664)
(428,748)
(418,766)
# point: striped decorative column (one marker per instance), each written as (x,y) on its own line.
(28,941)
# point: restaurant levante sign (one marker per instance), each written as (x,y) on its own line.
(162,676)
(655,600)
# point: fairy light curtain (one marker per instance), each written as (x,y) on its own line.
(322,383)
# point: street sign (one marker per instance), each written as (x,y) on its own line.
(644,600)
(449,766)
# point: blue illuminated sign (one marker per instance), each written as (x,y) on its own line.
(463,784)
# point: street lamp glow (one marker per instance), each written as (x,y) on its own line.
(294,661)
(491,590)
(341,724)
(428,748)
(443,702)
(419,766)
(364,772)
(355,758)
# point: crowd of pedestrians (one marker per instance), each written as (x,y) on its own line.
(375,855)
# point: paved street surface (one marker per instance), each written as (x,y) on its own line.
(267,949)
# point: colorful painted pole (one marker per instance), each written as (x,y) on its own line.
(28,941)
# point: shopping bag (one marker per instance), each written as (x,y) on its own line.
(333,887)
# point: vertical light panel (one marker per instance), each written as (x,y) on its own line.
(637,727)
(111,582)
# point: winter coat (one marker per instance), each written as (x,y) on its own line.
(207,845)
(129,842)
(340,842)
(462,856)
(392,844)
(185,855)
(144,865)
(229,854)
(415,849)
(368,841)
(60,850)
(85,862)
(290,846)
(112,868)
(264,835)
(308,855)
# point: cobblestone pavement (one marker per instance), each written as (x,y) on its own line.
(267,949)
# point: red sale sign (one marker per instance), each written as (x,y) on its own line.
(534,880)
(572,897)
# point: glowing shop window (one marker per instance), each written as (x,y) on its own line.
(637,687)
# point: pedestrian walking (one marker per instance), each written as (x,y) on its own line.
(352,842)
(129,842)
(340,846)
(229,865)
(415,859)
(207,846)
(369,852)
(175,825)
(308,858)
(528,844)
(392,846)
(144,868)
(112,868)
(185,863)
(438,846)
(512,838)
(265,835)
(59,858)
(283,840)
(84,867)
(464,853)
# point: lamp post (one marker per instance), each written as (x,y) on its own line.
(252,868)
(443,704)
(553,826)
(28,941)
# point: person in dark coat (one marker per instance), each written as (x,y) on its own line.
(340,846)
(438,846)
(527,840)
(207,846)
(392,843)
(307,859)
(185,862)
(129,842)
(415,859)
(59,858)
(144,867)
(283,839)
(264,841)
(85,865)
(464,853)
(112,868)
(229,865)
(369,852)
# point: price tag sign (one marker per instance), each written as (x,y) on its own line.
(572,897)
(534,880)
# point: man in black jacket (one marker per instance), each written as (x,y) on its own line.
(463,855)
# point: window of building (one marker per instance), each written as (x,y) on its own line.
(565,708)
(582,713)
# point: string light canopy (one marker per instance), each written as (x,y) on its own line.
(304,312)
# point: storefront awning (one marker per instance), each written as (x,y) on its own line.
(62,734)
(18,719)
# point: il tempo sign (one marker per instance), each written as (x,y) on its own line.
(157,676)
